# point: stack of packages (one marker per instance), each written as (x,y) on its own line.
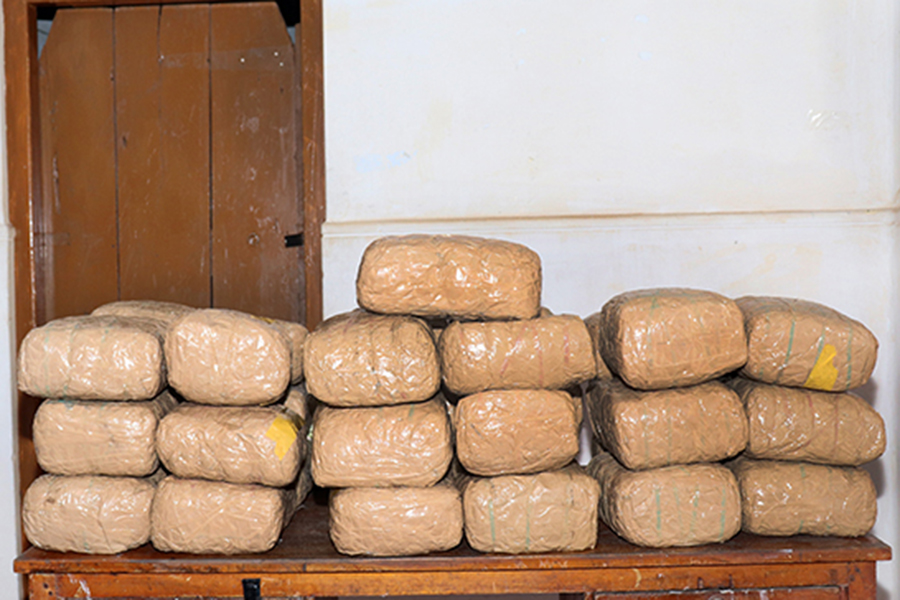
(104,492)
(104,378)
(807,435)
(662,422)
(235,462)
(513,427)
(382,436)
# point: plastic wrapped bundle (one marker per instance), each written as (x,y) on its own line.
(661,338)
(517,431)
(647,430)
(400,445)
(226,357)
(554,511)
(212,517)
(91,514)
(298,402)
(593,324)
(457,276)
(552,352)
(84,437)
(684,505)
(168,312)
(804,344)
(229,443)
(787,498)
(361,359)
(296,335)
(804,425)
(396,521)
(94,358)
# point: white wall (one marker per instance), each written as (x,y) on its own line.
(743,147)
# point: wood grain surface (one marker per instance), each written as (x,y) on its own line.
(254,183)
(162,117)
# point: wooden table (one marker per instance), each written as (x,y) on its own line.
(306,564)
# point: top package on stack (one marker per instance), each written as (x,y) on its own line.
(226,357)
(94,358)
(662,338)
(456,276)
(798,343)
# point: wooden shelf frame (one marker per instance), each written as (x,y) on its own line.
(24,167)
(305,564)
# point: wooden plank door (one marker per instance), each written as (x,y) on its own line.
(163,152)
(170,156)
(254,168)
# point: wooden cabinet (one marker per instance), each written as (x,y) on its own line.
(170,150)
(306,564)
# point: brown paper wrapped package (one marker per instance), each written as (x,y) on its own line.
(593,324)
(545,353)
(804,425)
(168,312)
(803,344)
(84,437)
(361,359)
(212,517)
(787,498)
(647,430)
(458,276)
(299,403)
(226,357)
(396,521)
(94,358)
(684,505)
(88,513)
(517,431)
(670,337)
(554,511)
(243,444)
(296,335)
(400,445)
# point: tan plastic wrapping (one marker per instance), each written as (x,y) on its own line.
(243,444)
(90,514)
(447,275)
(670,337)
(94,358)
(554,511)
(296,335)
(546,353)
(787,498)
(396,521)
(212,517)
(401,445)
(298,402)
(517,431)
(361,359)
(168,312)
(593,324)
(83,437)
(803,344)
(804,425)
(226,357)
(647,430)
(684,505)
